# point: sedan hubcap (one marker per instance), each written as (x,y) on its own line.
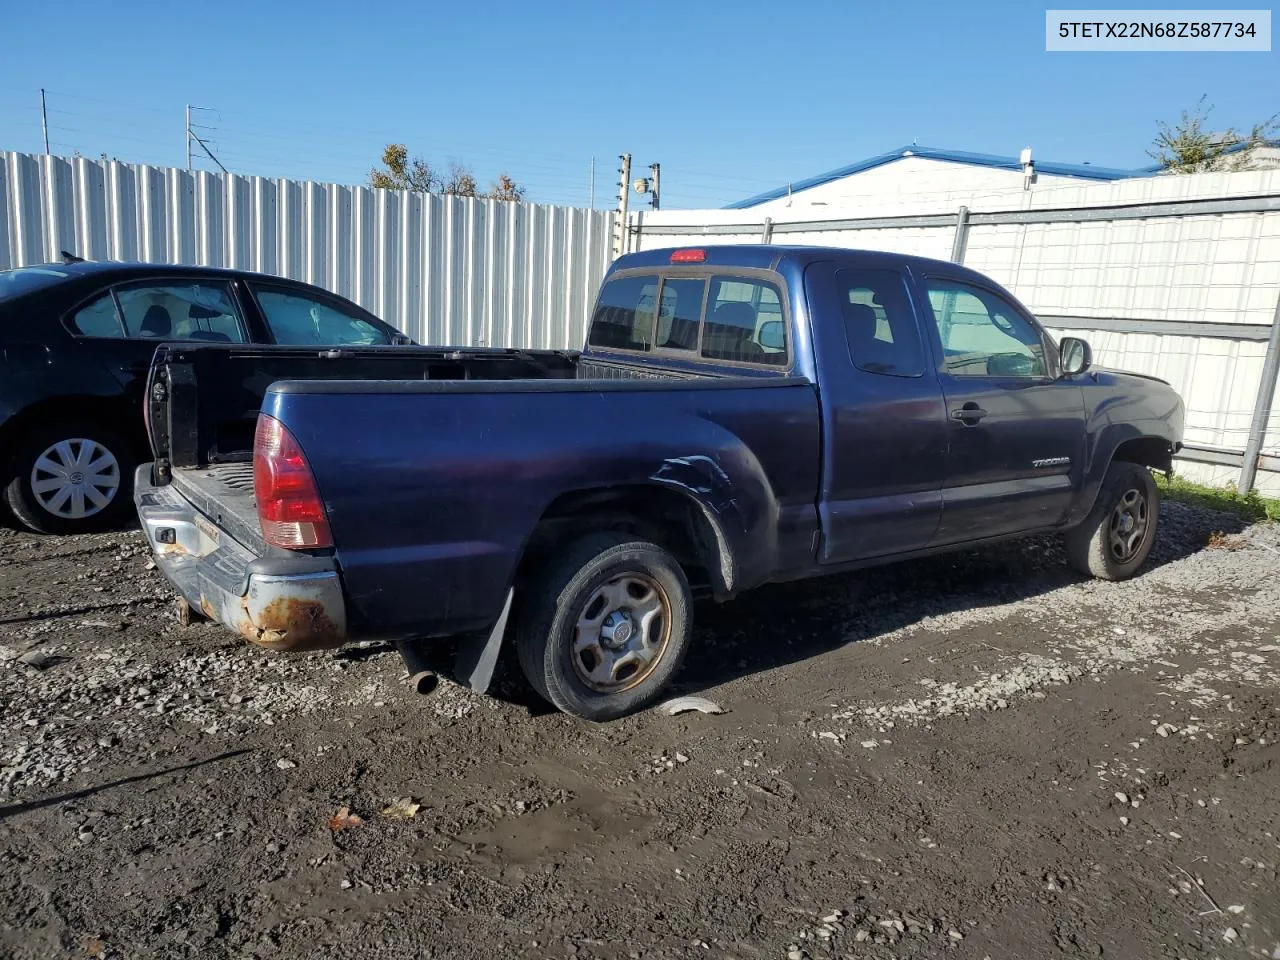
(1128,527)
(622,633)
(75,479)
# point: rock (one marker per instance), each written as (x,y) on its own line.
(345,884)
(681,758)
(795,955)
(870,744)
(39,660)
(955,934)
(1235,908)
(285,764)
(85,835)
(1122,796)
(833,917)
(685,704)
(1165,729)
(861,936)
(1230,935)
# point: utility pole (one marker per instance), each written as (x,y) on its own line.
(591,202)
(621,226)
(44,121)
(192,135)
(655,174)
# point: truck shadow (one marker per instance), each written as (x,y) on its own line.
(787,623)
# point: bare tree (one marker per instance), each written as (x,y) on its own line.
(1189,146)
(398,172)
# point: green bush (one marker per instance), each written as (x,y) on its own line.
(1250,506)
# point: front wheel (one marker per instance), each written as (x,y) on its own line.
(1116,538)
(71,478)
(606,627)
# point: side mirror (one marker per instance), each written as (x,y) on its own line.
(1076,356)
(400,340)
(771,335)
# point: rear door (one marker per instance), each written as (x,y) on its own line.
(1015,430)
(121,326)
(885,436)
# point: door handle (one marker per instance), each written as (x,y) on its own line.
(969,414)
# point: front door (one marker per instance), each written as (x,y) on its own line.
(1016,430)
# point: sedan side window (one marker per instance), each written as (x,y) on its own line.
(298,320)
(98,319)
(181,311)
(982,334)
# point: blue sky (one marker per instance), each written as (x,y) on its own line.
(731,97)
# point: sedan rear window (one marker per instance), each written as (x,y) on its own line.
(22,280)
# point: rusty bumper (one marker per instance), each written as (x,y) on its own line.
(277,600)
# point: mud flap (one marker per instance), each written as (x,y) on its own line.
(477,656)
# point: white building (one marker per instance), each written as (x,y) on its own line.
(912,175)
(917,173)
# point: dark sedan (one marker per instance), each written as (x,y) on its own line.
(76,341)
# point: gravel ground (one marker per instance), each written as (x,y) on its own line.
(977,755)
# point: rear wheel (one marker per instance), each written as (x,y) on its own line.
(71,478)
(1117,536)
(606,627)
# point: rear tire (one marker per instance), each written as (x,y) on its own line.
(73,477)
(1115,539)
(606,627)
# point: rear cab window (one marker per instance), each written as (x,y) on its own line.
(713,317)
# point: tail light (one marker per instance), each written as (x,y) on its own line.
(289,505)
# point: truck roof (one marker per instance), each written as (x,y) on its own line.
(767,256)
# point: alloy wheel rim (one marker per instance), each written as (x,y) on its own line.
(75,479)
(1127,528)
(622,633)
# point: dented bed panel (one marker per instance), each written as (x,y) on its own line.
(231,584)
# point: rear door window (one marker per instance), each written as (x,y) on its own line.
(879,324)
(202,310)
(98,318)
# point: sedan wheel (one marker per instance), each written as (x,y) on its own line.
(71,478)
(75,479)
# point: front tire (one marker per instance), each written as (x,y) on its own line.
(606,627)
(71,478)
(1116,538)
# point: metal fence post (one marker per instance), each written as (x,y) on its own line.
(961,237)
(1262,405)
(766,233)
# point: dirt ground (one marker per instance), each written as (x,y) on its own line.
(976,756)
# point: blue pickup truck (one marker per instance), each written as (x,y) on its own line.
(740,415)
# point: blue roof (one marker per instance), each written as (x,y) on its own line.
(1084,171)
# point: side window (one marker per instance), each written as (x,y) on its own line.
(98,319)
(181,311)
(744,322)
(879,324)
(679,313)
(982,334)
(624,314)
(298,320)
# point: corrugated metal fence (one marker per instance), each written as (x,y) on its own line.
(445,270)
(1173,276)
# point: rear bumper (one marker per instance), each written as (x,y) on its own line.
(280,601)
